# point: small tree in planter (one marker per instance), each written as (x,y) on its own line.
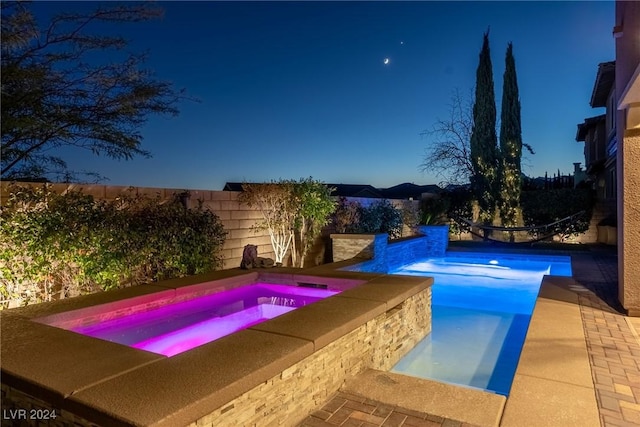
(314,203)
(276,203)
(293,213)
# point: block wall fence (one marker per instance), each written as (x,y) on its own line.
(236,218)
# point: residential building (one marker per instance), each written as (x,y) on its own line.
(627,87)
(592,133)
(600,142)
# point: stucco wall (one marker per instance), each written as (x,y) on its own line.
(629,233)
(627,40)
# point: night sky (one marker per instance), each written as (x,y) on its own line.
(291,90)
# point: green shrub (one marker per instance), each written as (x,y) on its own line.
(370,219)
(541,207)
(433,211)
(61,245)
(346,217)
(390,218)
(459,205)
(315,206)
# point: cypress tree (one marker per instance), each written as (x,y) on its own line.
(483,144)
(510,144)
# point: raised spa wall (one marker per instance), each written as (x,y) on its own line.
(274,372)
(383,255)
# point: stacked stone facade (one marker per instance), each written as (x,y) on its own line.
(382,255)
(288,397)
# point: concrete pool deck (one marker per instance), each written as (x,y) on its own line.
(580,366)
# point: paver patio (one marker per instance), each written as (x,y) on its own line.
(613,344)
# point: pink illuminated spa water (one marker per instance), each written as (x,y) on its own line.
(178,327)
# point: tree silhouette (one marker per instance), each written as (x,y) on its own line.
(65,87)
(510,144)
(483,144)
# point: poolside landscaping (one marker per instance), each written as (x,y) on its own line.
(492,299)
(316,362)
(325,363)
(580,365)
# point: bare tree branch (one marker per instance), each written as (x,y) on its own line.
(55,92)
(448,154)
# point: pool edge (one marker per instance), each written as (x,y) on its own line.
(98,398)
(553,383)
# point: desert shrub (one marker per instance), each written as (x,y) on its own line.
(390,218)
(540,207)
(170,240)
(43,245)
(346,217)
(60,245)
(370,219)
(379,217)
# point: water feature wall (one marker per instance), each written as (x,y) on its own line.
(382,255)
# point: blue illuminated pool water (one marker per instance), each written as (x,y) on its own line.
(482,304)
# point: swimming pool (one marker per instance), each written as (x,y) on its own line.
(180,326)
(482,304)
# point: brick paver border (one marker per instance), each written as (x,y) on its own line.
(614,350)
(345,409)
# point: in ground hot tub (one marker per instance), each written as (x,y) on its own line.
(264,347)
(174,325)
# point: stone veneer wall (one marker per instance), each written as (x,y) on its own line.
(383,255)
(402,252)
(36,412)
(288,397)
(361,246)
(437,238)
(236,218)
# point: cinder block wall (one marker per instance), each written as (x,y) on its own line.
(237,219)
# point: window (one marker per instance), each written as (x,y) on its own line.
(611,185)
(611,112)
